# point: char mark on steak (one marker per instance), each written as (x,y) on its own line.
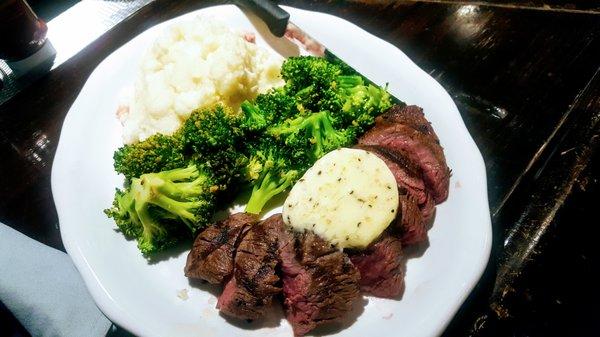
(410,115)
(320,284)
(211,257)
(250,291)
(381,267)
(420,148)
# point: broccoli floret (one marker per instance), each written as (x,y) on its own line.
(277,105)
(254,118)
(155,154)
(322,85)
(314,134)
(304,71)
(210,130)
(227,167)
(160,209)
(213,139)
(267,109)
(270,171)
(360,103)
(123,212)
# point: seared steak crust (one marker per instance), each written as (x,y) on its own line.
(410,115)
(421,147)
(250,291)
(320,283)
(211,257)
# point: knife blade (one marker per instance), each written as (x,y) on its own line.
(279,24)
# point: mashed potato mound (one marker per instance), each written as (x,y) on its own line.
(195,64)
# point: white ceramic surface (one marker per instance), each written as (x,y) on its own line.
(142,297)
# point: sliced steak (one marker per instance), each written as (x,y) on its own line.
(421,149)
(211,257)
(381,268)
(410,115)
(410,225)
(428,209)
(250,291)
(320,284)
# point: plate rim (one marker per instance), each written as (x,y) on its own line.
(113,310)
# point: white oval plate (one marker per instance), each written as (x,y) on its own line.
(142,297)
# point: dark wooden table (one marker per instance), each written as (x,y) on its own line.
(526,79)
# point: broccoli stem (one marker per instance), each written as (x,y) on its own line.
(178,191)
(154,189)
(325,134)
(127,207)
(151,229)
(179,174)
(270,186)
(349,81)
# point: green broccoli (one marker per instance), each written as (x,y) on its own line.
(313,134)
(323,106)
(255,119)
(155,154)
(267,109)
(303,71)
(211,130)
(270,170)
(213,139)
(322,85)
(160,209)
(360,102)
(227,167)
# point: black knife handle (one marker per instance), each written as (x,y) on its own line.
(274,16)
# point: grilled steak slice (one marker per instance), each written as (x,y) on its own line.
(250,291)
(410,115)
(211,257)
(410,225)
(421,150)
(320,283)
(381,269)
